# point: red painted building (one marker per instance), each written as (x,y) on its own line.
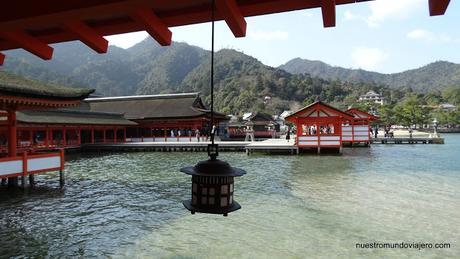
(319,126)
(357,130)
(17,94)
(165,117)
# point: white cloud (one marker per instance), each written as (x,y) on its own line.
(382,10)
(268,35)
(307,13)
(420,34)
(368,58)
(427,36)
(351,16)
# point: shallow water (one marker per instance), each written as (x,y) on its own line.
(129,205)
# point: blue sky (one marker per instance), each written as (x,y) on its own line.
(385,36)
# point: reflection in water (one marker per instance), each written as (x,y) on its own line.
(129,205)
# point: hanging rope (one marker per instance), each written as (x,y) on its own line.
(212,72)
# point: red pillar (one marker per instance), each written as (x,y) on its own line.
(47,142)
(12,131)
(31,140)
(64,137)
(352,123)
(79,135)
(51,137)
(92,135)
(115,135)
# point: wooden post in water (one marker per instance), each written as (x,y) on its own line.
(61,171)
(31,180)
(61,179)
(24,170)
(12,142)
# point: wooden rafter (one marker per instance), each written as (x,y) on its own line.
(328,11)
(88,36)
(28,43)
(438,7)
(232,15)
(153,25)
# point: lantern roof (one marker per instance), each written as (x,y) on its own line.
(214,167)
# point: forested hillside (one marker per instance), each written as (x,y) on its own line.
(434,76)
(242,82)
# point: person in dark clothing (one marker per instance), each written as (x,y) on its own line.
(288,134)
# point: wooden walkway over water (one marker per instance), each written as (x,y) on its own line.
(266,146)
(407,140)
(270,145)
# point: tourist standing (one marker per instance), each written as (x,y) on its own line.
(288,134)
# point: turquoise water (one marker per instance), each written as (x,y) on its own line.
(307,206)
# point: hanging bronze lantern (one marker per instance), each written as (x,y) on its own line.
(212,185)
(212,180)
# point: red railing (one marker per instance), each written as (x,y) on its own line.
(31,164)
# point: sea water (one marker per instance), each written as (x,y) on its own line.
(306,206)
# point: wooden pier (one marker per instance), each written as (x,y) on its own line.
(166,146)
(269,146)
(407,140)
(272,146)
(266,146)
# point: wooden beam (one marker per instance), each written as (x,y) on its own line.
(29,43)
(438,7)
(153,25)
(88,36)
(231,13)
(328,10)
(2,58)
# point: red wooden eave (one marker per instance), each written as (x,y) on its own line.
(438,7)
(33,25)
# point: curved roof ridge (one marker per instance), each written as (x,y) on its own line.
(143,97)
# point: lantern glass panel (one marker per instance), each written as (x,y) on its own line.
(212,191)
(211,200)
(194,187)
(224,189)
(204,191)
(204,200)
(231,187)
(230,201)
(194,200)
(223,202)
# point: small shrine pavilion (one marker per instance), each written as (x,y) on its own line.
(319,126)
(357,130)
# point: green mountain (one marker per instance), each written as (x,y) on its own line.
(242,83)
(434,76)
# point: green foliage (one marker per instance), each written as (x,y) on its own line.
(438,75)
(242,82)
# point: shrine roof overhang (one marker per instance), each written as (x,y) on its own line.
(22,93)
(319,106)
(362,115)
(33,25)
